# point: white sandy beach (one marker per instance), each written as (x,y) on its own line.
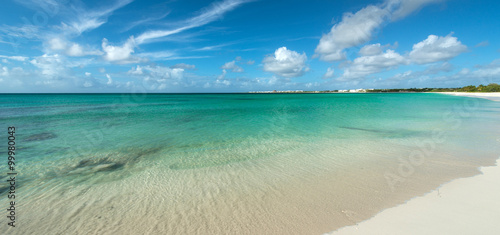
(495,96)
(463,206)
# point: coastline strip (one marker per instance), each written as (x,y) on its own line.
(495,96)
(462,206)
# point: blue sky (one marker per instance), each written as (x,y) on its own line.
(246,45)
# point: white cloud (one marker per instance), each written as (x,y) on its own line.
(110,80)
(182,66)
(483,44)
(310,84)
(84,20)
(212,13)
(26,31)
(17,58)
(146,21)
(52,66)
(157,72)
(436,48)
(214,47)
(87,84)
(273,82)
(224,82)
(4,72)
(403,76)
(158,77)
(286,63)
(157,55)
(430,70)
(353,30)
(13,73)
(366,65)
(438,68)
(358,28)
(403,8)
(222,75)
(75,50)
(88,74)
(491,70)
(59,44)
(232,66)
(329,73)
(136,71)
(372,49)
(120,54)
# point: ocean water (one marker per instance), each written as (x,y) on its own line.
(234,163)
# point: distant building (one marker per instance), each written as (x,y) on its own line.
(357,90)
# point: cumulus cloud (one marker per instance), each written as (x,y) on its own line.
(373,63)
(271,82)
(372,49)
(436,48)
(13,73)
(52,66)
(353,30)
(357,28)
(57,44)
(71,49)
(433,49)
(158,73)
(286,63)
(222,81)
(120,54)
(232,66)
(329,73)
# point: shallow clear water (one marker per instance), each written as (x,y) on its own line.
(213,150)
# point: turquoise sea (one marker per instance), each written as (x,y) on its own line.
(234,163)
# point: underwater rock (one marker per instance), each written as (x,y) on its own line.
(4,189)
(109,167)
(96,165)
(364,129)
(41,136)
